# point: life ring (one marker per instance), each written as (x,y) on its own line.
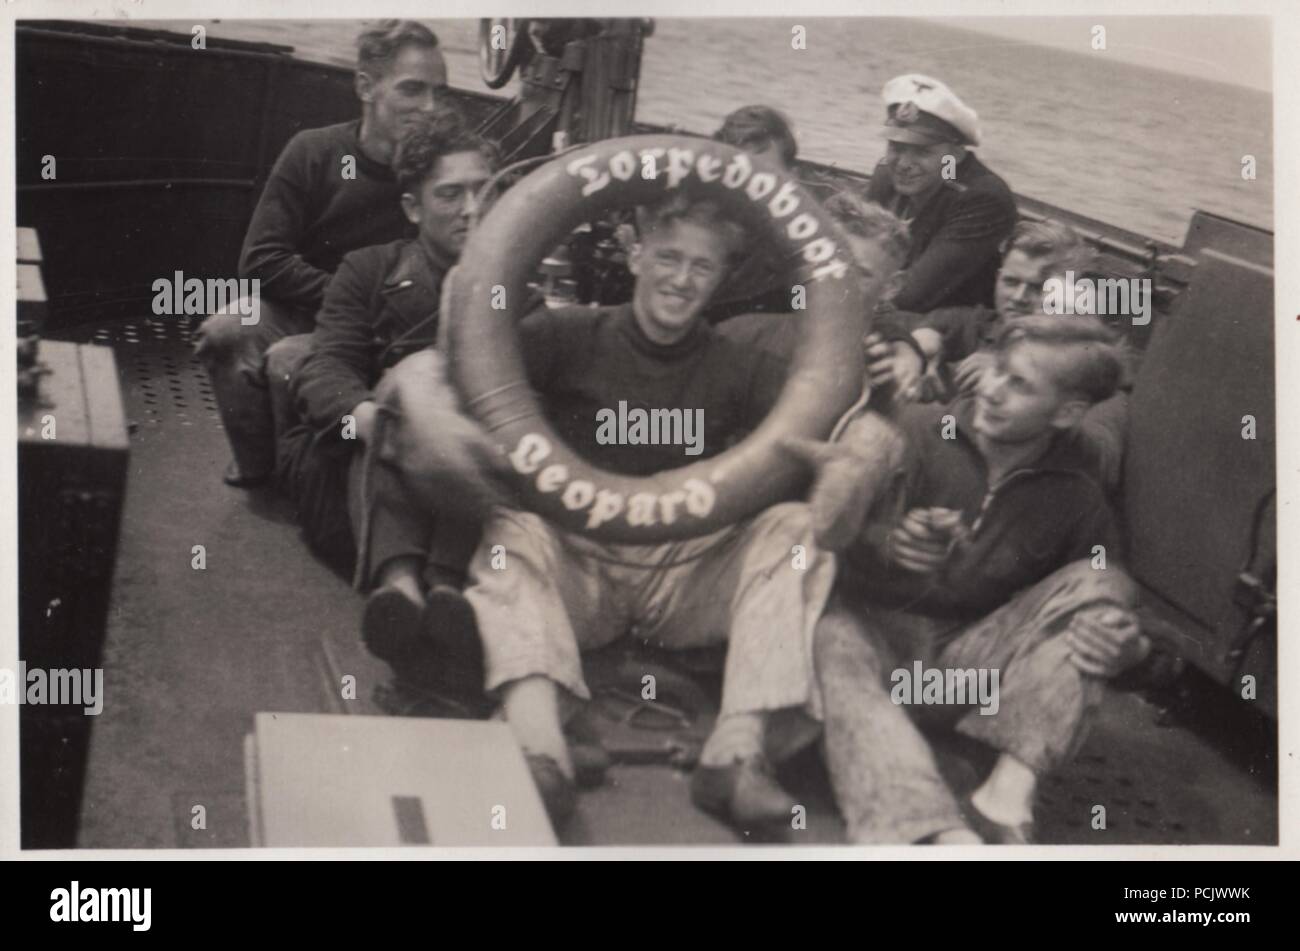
(825,376)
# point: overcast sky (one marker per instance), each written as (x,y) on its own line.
(1234,50)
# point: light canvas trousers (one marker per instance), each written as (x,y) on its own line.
(883,772)
(543,595)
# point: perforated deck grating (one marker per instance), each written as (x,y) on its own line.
(1134,813)
(163,383)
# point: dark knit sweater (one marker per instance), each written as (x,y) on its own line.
(310,214)
(582,360)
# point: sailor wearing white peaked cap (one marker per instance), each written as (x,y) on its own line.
(924,111)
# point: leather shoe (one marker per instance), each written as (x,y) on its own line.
(559,795)
(234,476)
(449,630)
(746,792)
(590,763)
(390,624)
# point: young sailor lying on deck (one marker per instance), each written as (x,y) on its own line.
(381,305)
(992,551)
(331,191)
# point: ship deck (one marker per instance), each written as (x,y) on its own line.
(192,655)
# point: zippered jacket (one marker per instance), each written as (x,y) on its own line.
(1037,519)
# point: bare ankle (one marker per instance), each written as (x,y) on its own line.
(531,707)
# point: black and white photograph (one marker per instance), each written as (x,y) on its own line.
(544,435)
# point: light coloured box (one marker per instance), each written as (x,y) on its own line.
(340,781)
(29,246)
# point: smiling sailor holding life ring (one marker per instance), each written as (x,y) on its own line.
(621,521)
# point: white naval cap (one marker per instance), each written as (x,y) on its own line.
(924,111)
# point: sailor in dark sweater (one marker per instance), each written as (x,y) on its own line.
(562,593)
(331,191)
(959,211)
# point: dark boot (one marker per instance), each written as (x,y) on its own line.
(391,625)
(746,793)
(450,630)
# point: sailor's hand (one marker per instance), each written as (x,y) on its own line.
(969,372)
(891,361)
(364,415)
(924,538)
(848,475)
(839,495)
(1106,642)
(436,446)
